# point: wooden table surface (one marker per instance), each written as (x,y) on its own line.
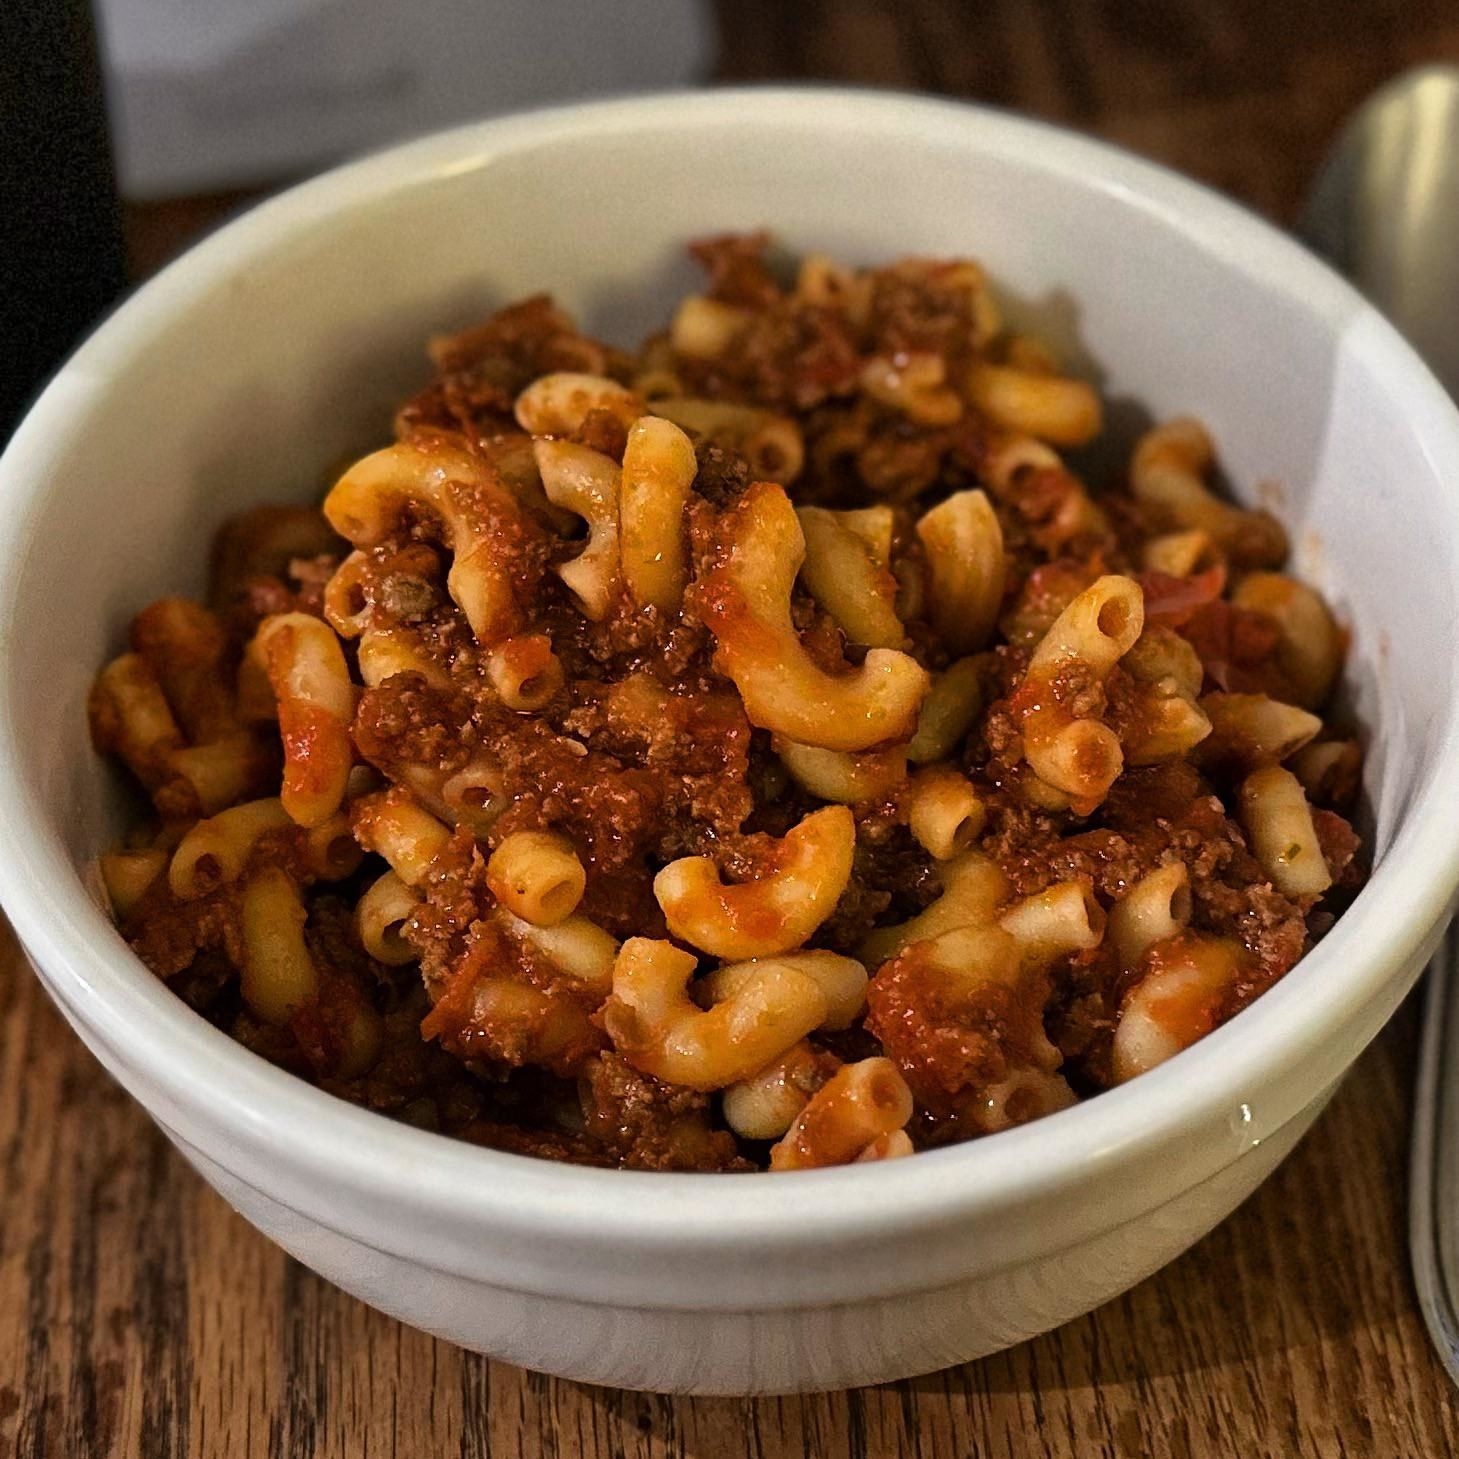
(140,1316)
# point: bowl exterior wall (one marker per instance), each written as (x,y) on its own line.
(727,1349)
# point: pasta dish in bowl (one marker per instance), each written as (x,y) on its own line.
(763,748)
(899,699)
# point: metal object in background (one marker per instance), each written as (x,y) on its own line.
(1386,211)
(1433,1190)
(60,232)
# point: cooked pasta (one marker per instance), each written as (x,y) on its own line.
(1158,906)
(478,517)
(804,877)
(660,1030)
(1179,1000)
(558,404)
(849,580)
(1036,403)
(382,653)
(408,838)
(944,811)
(1063,918)
(840,776)
(277,974)
(524,671)
(380,917)
(316,704)
(1168,476)
(764,1106)
(761,750)
(1309,644)
(859,1104)
(536,876)
(187,648)
(966,566)
(215,850)
(575,946)
(914,384)
(586,482)
(1283,837)
(131,718)
(658,471)
(950,710)
(127,876)
(972,886)
(842,981)
(747,602)
(1076,754)
(771,444)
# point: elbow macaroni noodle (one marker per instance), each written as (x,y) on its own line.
(844,575)
(278,973)
(557,405)
(316,705)
(217,849)
(576,946)
(1168,475)
(1079,757)
(1309,648)
(842,981)
(972,886)
(771,444)
(1157,907)
(859,1105)
(187,648)
(1255,729)
(662,1031)
(1031,402)
(586,482)
(475,511)
(1175,1004)
(944,812)
(524,671)
(764,1106)
(380,914)
(747,604)
(127,876)
(775,911)
(964,546)
(393,826)
(1062,919)
(658,471)
(1278,822)
(537,877)
(840,776)
(704,328)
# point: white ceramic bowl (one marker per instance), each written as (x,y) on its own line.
(252,364)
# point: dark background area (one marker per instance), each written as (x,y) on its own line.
(1243,94)
(59,234)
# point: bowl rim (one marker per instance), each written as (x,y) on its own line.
(201,1069)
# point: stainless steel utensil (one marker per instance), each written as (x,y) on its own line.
(1385,210)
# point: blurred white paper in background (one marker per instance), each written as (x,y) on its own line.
(212,94)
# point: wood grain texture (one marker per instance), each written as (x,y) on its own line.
(140,1316)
